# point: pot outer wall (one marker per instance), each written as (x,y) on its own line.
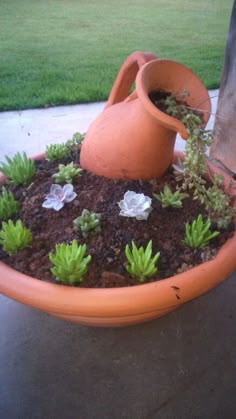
(120,306)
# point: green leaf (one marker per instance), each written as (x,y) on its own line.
(197,234)
(141,264)
(70,262)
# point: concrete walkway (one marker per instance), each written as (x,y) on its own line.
(32,130)
(181,366)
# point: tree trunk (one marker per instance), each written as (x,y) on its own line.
(223,149)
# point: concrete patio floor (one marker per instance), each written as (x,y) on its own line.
(181,366)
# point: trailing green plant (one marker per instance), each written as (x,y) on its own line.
(8,205)
(19,170)
(14,237)
(171,199)
(57,152)
(176,107)
(141,264)
(195,167)
(88,223)
(67,173)
(213,198)
(198,234)
(70,262)
(216,202)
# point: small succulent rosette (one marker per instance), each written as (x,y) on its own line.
(59,196)
(135,205)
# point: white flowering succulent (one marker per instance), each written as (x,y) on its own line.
(58,196)
(135,205)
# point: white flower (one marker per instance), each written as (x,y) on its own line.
(58,196)
(135,205)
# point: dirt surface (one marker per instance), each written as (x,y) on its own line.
(165,227)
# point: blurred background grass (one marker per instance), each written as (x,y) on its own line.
(55,52)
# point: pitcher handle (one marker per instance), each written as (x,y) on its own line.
(126,76)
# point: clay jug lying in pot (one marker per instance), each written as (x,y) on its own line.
(132,138)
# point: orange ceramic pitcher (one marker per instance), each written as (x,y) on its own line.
(132,139)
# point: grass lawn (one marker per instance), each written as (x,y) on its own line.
(69,51)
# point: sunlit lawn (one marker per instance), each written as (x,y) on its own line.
(68,51)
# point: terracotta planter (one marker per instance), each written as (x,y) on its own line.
(120,306)
(132,126)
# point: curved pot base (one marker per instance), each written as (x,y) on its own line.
(116,321)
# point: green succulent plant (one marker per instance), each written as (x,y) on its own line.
(19,170)
(57,152)
(76,140)
(141,264)
(88,223)
(14,237)
(67,173)
(8,205)
(70,262)
(198,234)
(169,198)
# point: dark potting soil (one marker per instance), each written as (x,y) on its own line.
(158,97)
(165,227)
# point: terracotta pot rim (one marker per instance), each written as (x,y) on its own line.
(119,302)
(167,120)
(144,298)
(229,244)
